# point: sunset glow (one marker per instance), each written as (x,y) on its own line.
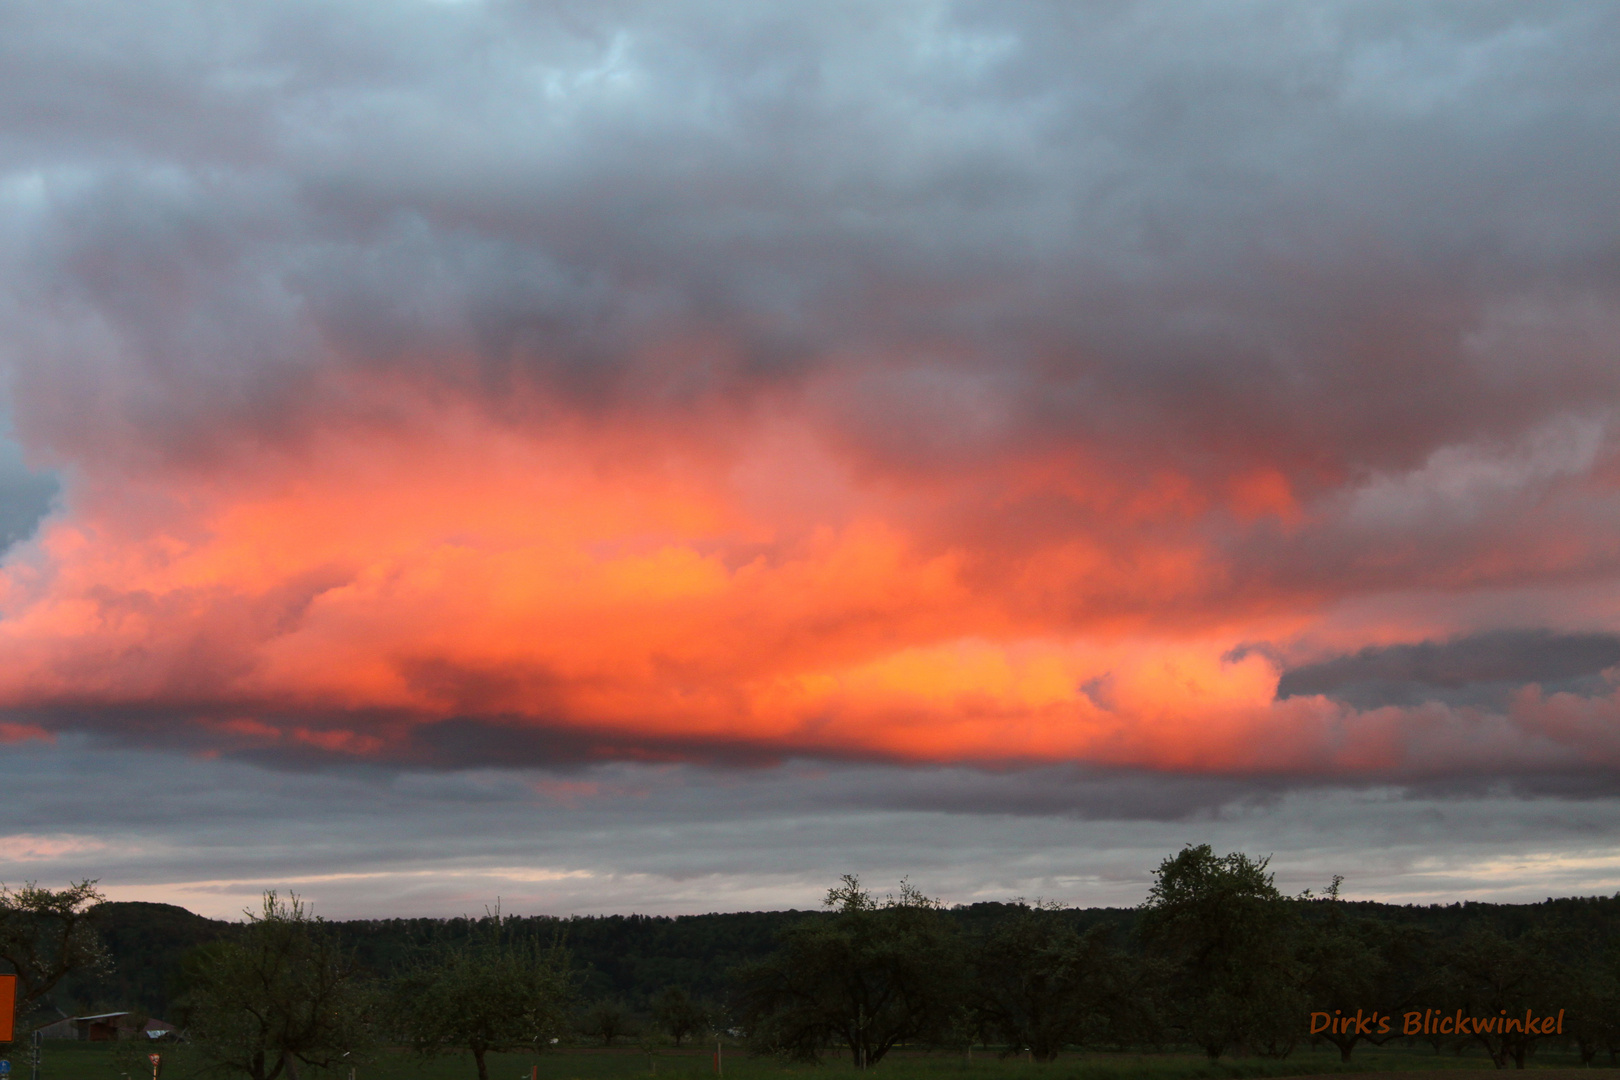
(739,582)
(591,447)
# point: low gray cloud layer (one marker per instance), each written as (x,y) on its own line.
(673,839)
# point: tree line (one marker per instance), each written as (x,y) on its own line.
(1216,958)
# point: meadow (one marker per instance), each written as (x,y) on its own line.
(105,1061)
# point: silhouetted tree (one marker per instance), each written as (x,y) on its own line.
(1589,990)
(1351,963)
(679,1015)
(280,994)
(1040,984)
(1227,937)
(491,992)
(877,973)
(606,1020)
(46,935)
(1495,976)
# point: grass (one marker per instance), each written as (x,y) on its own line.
(106,1061)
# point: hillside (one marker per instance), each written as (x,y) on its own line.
(633,957)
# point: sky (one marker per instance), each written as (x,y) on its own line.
(659,457)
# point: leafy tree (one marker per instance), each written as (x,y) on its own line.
(281,994)
(1498,976)
(1041,984)
(678,1014)
(1227,937)
(1350,962)
(875,974)
(1590,989)
(606,1020)
(47,935)
(493,992)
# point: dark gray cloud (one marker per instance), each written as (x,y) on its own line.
(1356,233)
(1481,670)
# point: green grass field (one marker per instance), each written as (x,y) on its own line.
(104,1061)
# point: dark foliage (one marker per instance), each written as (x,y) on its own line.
(876,974)
(1230,946)
(489,993)
(281,994)
(681,1017)
(1039,984)
(607,1022)
(1215,935)
(1351,960)
(144,944)
(46,935)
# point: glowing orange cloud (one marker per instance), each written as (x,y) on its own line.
(744,582)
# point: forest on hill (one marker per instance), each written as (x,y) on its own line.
(632,959)
(1216,959)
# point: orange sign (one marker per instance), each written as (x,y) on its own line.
(8,1007)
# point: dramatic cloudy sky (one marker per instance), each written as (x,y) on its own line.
(649,456)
